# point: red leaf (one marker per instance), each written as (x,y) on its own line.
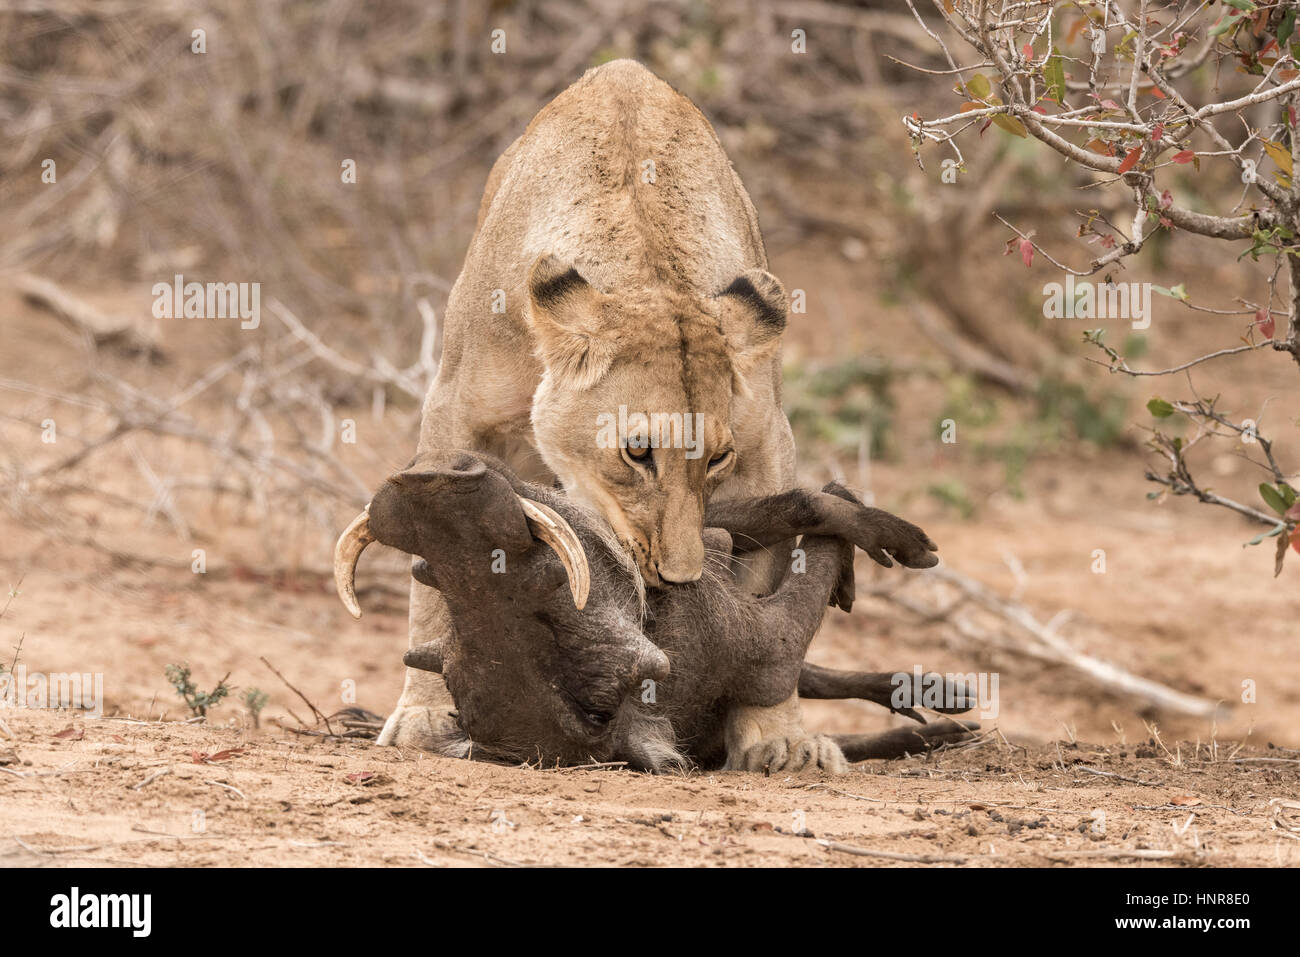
(1166,199)
(1158,93)
(1264,319)
(1108,242)
(1131,159)
(1186,156)
(360,777)
(1110,105)
(71,733)
(1026,252)
(1166,223)
(1028,51)
(1290,113)
(1158,132)
(1040,109)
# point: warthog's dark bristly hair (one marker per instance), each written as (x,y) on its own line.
(742,288)
(549,291)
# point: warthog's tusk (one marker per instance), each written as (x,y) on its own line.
(543,521)
(555,531)
(347,552)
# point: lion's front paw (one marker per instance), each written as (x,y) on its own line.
(792,755)
(417,726)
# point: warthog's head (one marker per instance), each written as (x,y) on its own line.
(547,650)
(635,409)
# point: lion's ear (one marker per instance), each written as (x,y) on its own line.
(752,311)
(564,311)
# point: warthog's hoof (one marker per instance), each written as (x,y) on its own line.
(794,756)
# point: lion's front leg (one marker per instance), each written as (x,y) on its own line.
(422,717)
(773,740)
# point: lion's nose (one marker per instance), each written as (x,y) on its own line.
(679,576)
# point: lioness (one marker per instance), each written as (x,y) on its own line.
(617,267)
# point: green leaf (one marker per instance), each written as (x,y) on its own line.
(1224,25)
(1277,529)
(1286,27)
(978,86)
(1160,408)
(1272,498)
(1243,5)
(1288,493)
(1054,74)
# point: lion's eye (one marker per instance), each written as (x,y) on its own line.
(720,459)
(639,458)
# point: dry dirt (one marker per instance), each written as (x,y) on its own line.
(119,792)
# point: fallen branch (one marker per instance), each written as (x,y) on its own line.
(1032,638)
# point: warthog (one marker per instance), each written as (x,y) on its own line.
(558,654)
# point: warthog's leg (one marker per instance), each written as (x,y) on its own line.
(779,518)
(880,687)
(828,683)
(904,741)
(833,511)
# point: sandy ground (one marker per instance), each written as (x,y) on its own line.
(119,792)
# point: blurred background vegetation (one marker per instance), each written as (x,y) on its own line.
(225,165)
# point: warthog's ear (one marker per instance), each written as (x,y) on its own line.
(564,312)
(752,311)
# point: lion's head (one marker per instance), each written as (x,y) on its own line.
(634,411)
